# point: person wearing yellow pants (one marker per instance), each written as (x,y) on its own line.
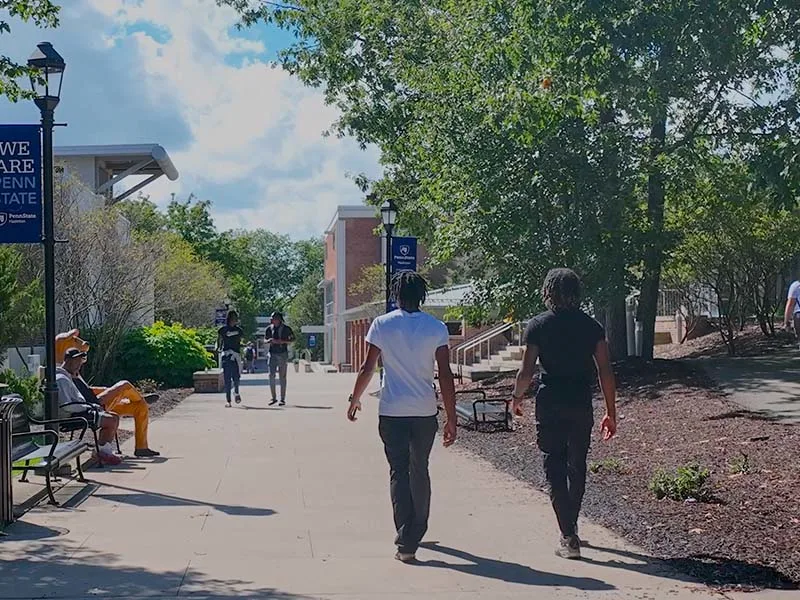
(122,398)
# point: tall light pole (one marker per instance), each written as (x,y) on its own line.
(46,85)
(389,218)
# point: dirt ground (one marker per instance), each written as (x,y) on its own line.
(746,537)
(168,399)
(749,342)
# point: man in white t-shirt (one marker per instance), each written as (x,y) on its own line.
(791,315)
(409,341)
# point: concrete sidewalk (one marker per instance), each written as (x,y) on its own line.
(251,502)
(767,385)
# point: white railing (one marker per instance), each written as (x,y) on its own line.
(476,344)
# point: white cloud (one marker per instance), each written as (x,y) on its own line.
(256,147)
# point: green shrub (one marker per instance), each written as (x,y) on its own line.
(207,335)
(29,389)
(168,354)
(687,482)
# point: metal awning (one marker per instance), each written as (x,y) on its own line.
(113,163)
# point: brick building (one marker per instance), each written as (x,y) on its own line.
(354,240)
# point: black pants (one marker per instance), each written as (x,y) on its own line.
(563,433)
(230,372)
(408,442)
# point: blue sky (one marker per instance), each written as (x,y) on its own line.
(178,73)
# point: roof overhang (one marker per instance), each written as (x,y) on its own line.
(121,161)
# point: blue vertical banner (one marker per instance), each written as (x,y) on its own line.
(220,316)
(20,184)
(404,258)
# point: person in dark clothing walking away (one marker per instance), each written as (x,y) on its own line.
(572,349)
(279,336)
(229,345)
(408,340)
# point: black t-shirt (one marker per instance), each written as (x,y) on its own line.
(566,340)
(231,338)
(279,332)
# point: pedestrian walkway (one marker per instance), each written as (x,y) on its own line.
(768,385)
(292,504)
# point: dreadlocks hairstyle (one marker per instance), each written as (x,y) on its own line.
(561,290)
(409,290)
(232,314)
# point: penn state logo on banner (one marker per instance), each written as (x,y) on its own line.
(3,219)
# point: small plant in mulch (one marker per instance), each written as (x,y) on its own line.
(740,465)
(689,482)
(607,465)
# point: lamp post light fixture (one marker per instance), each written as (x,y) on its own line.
(48,66)
(389,218)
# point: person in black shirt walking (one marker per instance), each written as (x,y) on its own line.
(572,350)
(279,335)
(229,345)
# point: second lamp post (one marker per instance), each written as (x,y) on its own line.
(389,218)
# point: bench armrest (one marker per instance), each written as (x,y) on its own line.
(47,433)
(82,421)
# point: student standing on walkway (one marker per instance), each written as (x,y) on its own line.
(408,340)
(279,336)
(229,345)
(570,346)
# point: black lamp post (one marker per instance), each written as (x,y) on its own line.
(46,85)
(389,218)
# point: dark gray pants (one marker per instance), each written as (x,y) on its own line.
(563,434)
(230,372)
(407,442)
(278,365)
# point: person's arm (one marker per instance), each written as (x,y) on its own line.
(788,312)
(362,380)
(219,340)
(524,377)
(608,386)
(447,387)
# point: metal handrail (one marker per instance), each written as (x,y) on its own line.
(478,341)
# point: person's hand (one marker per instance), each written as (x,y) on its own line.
(353,409)
(516,406)
(450,432)
(608,427)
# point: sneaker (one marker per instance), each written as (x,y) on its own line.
(238,399)
(227,404)
(405,557)
(146,453)
(110,459)
(570,548)
(282,403)
(273,402)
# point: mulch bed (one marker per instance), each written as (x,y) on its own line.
(670,415)
(168,399)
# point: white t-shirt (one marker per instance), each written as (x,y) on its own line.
(408,344)
(794,294)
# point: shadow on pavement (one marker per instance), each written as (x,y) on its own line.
(508,571)
(151,499)
(728,572)
(39,569)
(306,407)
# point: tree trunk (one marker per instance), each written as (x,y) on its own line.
(617,328)
(654,253)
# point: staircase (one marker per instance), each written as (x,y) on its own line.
(494,351)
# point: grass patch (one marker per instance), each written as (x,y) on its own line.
(607,465)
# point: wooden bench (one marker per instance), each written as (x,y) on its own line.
(40,451)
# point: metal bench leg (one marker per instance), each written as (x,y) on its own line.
(81,476)
(97,450)
(24,477)
(49,485)
(116,439)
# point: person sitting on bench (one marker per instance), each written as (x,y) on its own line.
(121,398)
(73,404)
